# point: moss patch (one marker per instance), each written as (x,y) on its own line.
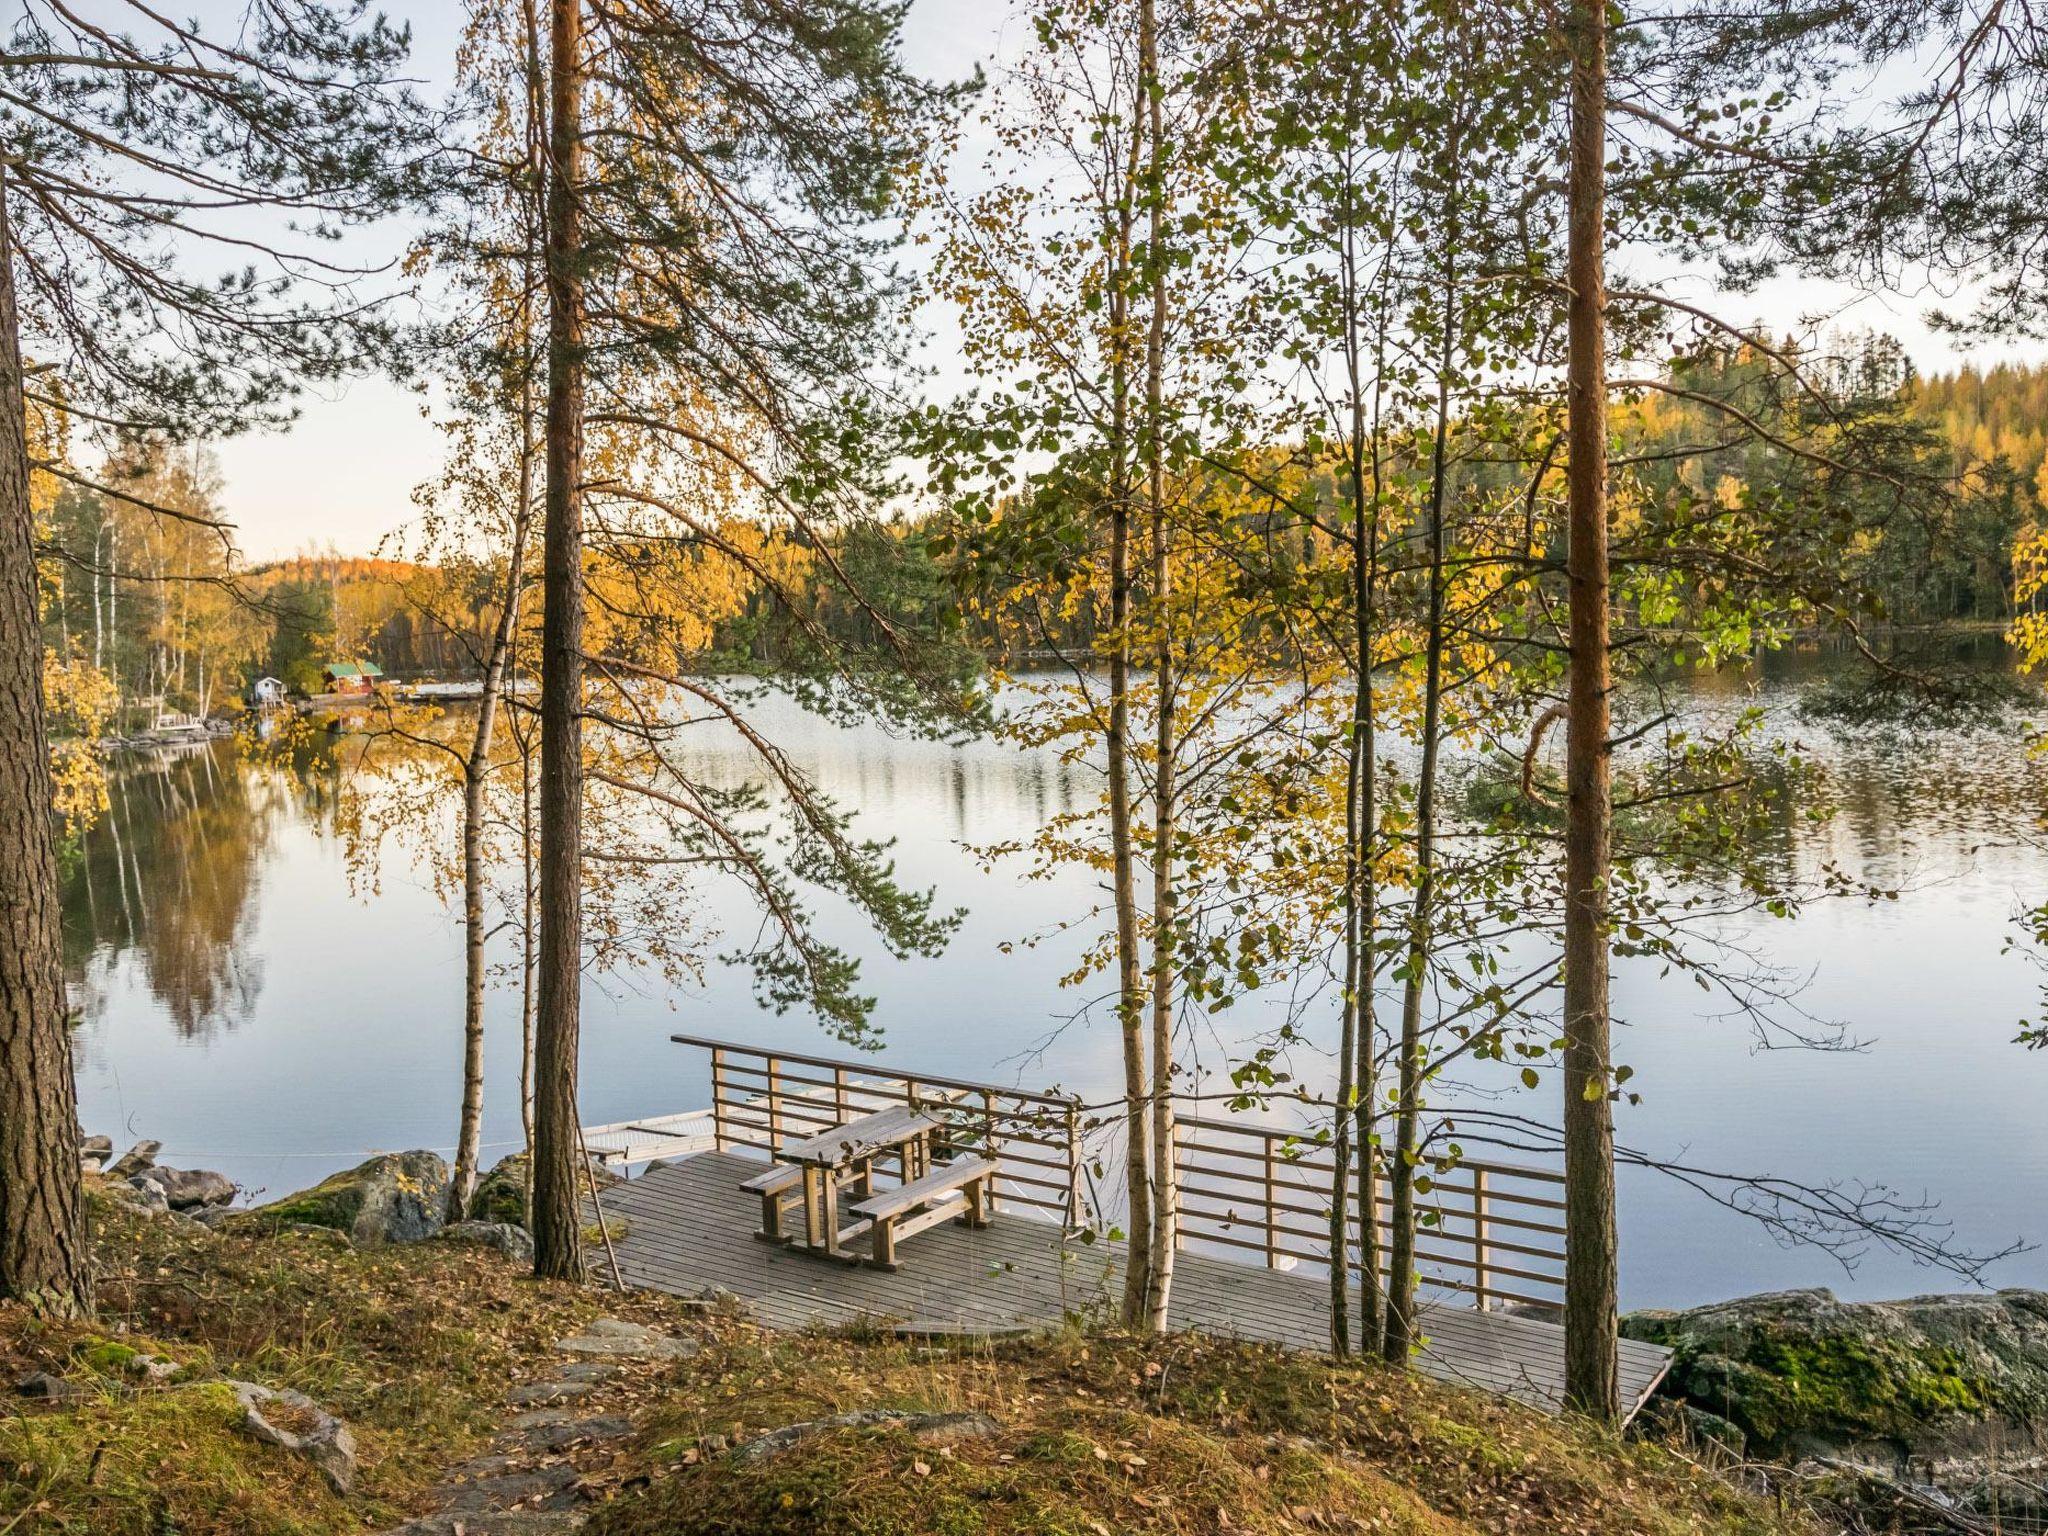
(1823,1375)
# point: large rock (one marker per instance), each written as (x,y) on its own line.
(513,1242)
(138,1157)
(296,1423)
(500,1195)
(144,1198)
(1923,1389)
(188,1189)
(395,1197)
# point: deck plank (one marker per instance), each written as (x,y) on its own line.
(689,1228)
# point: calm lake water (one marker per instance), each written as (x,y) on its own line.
(258,1012)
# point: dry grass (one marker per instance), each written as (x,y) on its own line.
(415,1348)
(1101,1434)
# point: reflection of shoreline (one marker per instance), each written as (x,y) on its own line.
(166,880)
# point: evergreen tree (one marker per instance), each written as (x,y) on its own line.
(132,149)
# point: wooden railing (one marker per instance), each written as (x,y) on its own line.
(1489,1231)
(763,1100)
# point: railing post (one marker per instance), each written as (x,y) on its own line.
(774,1105)
(717,1099)
(839,1094)
(1272,1236)
(1073,1166)
(1479,1237)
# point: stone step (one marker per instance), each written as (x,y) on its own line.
(537,1488)
(511,1522)
(536,1393)
(555,1429)
(615,1338)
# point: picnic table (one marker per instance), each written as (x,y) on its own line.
(817,1166)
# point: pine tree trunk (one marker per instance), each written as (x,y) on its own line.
(556,1230)
(42,1259)
(1590,1277)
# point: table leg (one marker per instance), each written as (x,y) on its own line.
(811,1176)
(828,1201)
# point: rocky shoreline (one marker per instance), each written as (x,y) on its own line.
(1931,1408)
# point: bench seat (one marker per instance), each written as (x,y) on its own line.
(780,1187)
(782,1176)
(963,1188)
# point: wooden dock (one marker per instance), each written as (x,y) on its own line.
(689,1228)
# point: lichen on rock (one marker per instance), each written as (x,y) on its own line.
(394,1197)
(1903,1386)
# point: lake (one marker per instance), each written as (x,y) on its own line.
(249,1005)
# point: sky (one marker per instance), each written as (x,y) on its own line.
(344,475)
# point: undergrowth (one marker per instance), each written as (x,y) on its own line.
(415,1347)
(1098,1434)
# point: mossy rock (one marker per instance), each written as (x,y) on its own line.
(395,1197)
(1896,1384)
(501,1194)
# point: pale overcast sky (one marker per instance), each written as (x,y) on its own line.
(344,475)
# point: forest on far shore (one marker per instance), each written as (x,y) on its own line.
(197,645)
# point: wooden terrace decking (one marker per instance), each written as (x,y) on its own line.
(688,1227)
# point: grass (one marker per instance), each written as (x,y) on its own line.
(1101,1433)
(413,1346)
(416,1346)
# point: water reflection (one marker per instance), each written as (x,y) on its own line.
(245,1005)
(167,880)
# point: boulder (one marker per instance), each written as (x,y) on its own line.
(138,1196)
(501,1194)
(293,1421)
(1925,1389)
(188,1189)
(94,1151)
(513,1242)
(395,1197)
(138,1157)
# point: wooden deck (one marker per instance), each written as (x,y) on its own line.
(688,1228)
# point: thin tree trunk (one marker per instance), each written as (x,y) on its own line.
(1357,1077)
(476,770)
(1123,874)
(1590,1267)
(1165,1182)
(1400,1335)
(528,927)
(42,1258)
(99,620)
(557,1246)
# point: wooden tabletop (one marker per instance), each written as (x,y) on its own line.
(857,1139)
